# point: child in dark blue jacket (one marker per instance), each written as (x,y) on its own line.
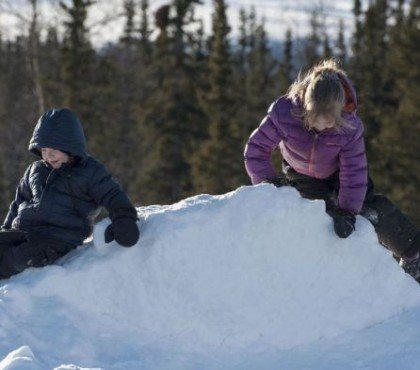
(59,197)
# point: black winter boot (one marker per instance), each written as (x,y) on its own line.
(395,231)
(411,267)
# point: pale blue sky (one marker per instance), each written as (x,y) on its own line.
(279,15)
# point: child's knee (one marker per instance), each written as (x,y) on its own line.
(29,254)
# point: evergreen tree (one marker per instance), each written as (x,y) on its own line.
(129,27)
(312,49)
(341,50)
(356,45)
(172,114)
(78,61)
(177,108)
(219,161)
(145,32)
(252,27)
(286,65)
(199,70)
(369,71)
(141,68)
(77,53)
(243,44)
(18,112)
(124,71)
(4,201)
(327,51)
(34,57)
(261,83)
(398,141)
(107,121)
(254,77)
(241,69)
(198,44)
(50,65)
(183,16)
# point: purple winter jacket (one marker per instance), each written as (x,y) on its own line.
(315,154)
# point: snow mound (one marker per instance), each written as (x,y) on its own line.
(253,269)
(20,359)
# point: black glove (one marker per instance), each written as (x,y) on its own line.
(278,181)
(344,222)
(124,231)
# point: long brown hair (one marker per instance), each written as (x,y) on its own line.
(320,92)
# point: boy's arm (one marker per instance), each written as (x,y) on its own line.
(106,192)
(23,193)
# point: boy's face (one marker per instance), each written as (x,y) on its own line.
(54,157)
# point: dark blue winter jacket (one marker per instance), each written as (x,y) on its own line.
(63,203)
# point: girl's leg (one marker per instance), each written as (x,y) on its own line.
(395,230)
(308,187)
(327,190)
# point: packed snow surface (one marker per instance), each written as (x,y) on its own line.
(252,279)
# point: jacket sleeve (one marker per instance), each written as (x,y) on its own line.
(23,193)
(353,173)
(261,144)
(108,193)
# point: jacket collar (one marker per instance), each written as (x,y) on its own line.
(66,169)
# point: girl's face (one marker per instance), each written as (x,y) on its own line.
(54,157)
(322,122)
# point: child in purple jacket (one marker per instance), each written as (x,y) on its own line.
(320,137)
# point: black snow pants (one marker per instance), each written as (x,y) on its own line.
(395,230)
(20,250)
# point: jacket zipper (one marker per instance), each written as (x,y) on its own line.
(311,157)
(47,182)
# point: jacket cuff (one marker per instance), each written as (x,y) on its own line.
(123,213)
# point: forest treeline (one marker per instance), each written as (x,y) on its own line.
(168,107)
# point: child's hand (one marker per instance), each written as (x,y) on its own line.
(124,231)
(343,222)
(278,181)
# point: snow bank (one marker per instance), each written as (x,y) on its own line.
(254,269)
(20,359)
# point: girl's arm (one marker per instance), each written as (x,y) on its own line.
(260,146)
(23,193)
(353,173)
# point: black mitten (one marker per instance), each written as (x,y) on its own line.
(278,181)
(124,231)
(344,222)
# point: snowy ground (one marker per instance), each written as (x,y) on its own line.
(254,279)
